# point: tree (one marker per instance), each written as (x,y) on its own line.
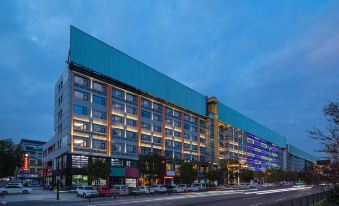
(246,175)
(329,140)
(11,158)
(213,175)
(97,170)
(187,173)
(151,166)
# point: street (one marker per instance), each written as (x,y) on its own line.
(231,197)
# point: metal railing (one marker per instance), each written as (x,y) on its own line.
(303,201)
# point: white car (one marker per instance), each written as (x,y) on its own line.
(201,186)
(176,188)
(87,191)
(158,189)
(183,186)
(14,189)
(122,189)
(193,188)
(144,189)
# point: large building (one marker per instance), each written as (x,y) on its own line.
(110,106)
(297,160)
(31,170)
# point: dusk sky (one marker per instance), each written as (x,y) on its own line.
(274,61)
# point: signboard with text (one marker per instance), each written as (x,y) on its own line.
(25,165)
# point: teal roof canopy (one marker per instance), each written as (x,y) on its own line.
(302,154)
(228,115)
(93,54)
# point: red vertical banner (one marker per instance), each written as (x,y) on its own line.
(25,166)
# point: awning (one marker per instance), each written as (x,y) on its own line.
(117,172)
(132,172)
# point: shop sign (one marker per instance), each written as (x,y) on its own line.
(131,182)
(25,166)
(170,173)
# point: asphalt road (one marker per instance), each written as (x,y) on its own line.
(232,198)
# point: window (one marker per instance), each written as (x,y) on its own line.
(177,134)
(202,140)
(169,154)
(80,125)
(117,93)
(194,129)
(80,142)
(169,120)
(99,144)
(99,87)
(194,147)
(146,114)
(145,150)
(118,106)
(168,143)
(145,126)
(157,117)
(177,123)
(117,132)
(169,132)
(202,149)
(131,149)
(187,156)
(81,81)
(145,138)
(131,135)
(80,110)
(131,122)
(194,138)
(177,155)
(202,131)
(169,111)
(194,120)
(146,103)
(186,136)
(195,157)
(187,126)
(187,117)
(131,98)
(177,144)
(117,147)
(156,128)
(177,114)
(157,140)
(157,107)
(81,95)
(99,114)
(117,119)
(79,161)
(99,100)
(99,128)
(157,151)
(187,146)
(131,110)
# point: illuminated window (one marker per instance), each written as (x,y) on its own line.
(131,122)
(117,93)
(80,125)
(99,144)
(80,142)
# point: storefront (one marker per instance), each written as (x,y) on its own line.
(116,176)
(132,177)
(169,177)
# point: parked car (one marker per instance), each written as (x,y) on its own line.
(105,192)
(193,188)
(201,186)
(176,188)
(144,189)
(183,186)
(15,189)
(87,191)
(121,189)
(158,189)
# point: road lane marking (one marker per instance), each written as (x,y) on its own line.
(251,198)
(281,199)
(256,204)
